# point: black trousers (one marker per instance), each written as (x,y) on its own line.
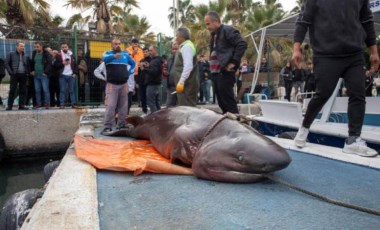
(288,88)
(20,81)
(224,87)
(142,94)
(327,72)
(54,90)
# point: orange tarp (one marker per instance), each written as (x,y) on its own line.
(136,156)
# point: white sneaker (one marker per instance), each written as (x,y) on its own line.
(300,139)
(359,147)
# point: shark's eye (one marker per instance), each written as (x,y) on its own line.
(240,158)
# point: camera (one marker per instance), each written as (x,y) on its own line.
(67,59)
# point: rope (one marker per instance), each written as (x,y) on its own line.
(323,198)
(212,127)
(242,119)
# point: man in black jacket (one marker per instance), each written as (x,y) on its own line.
(141,79)
(17,65)
(56,69)
(337,40)
(227,47)
(153,79)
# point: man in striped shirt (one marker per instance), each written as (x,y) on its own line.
(227,47)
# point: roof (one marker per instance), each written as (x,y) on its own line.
(285,28)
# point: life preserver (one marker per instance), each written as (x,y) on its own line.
(17,208)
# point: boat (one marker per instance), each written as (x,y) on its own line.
(283,119)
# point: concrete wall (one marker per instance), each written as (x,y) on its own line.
(38,131)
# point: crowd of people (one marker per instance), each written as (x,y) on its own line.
(293,81)
(187,76)
(45,79)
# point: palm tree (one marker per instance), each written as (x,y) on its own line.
(262,15)
(102,11)
(259,16)
(20,15)
(186,13)
(127,23)
(298,6)
(24,12)
(135,26)
(237,11)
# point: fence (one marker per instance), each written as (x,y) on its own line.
(89,91)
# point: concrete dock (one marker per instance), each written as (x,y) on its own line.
(80,197)
(52,130)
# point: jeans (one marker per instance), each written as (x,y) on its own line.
(171,99)
(42,81)
(206,86)
(64,81)
(153,97)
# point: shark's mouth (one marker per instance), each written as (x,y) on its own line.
(230,176)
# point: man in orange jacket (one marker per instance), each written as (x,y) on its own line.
(136,54)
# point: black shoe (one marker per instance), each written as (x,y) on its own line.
(106,131)
(8,108)
(23,108)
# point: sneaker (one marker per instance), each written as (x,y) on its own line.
(62,107)
(359,147)
(22,108)
(8,108)
(300,139)
(37,106)
(46,106)
(106,131)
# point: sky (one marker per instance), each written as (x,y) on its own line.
(155,11)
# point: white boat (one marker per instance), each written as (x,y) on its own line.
(283,119)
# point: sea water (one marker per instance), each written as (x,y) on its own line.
(23,173)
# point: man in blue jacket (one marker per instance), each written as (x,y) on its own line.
(337,40)
(116,63)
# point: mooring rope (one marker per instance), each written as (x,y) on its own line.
(243,120)
(323,198)
(212,127)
